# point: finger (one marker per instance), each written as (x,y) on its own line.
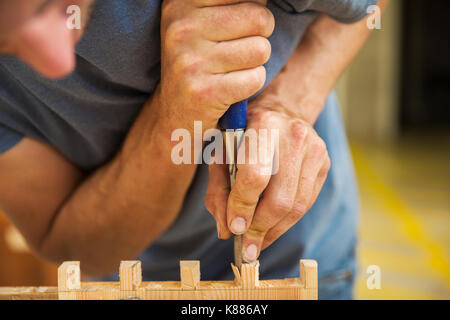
(241,54)
(251,180)
(216,197)
(226,89)
(281,228)
(236,21)
(299,209)
(311,166)
(278,198)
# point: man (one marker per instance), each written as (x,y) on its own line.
(85,166)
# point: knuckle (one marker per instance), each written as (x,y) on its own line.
(255,80)
(270,118)
(325,169)
(267,119)
(262,50)
(167,7)
(187,63)
(256,232)
(270,25)
(178,31)
(319,148)
(254,178)
(263,20)
(197,90)
(307,180)
(242,204)
(281,206)
(298,132)
(298,210)
(259,78)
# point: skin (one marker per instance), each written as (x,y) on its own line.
(211,57)
(36,33)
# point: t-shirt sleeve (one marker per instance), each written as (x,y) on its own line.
(8,138)
(345,11)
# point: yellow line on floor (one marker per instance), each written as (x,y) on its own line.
(398,210)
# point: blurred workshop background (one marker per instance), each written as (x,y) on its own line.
(395,101)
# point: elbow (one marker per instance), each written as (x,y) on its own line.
(57,252)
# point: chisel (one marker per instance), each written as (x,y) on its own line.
(233,124)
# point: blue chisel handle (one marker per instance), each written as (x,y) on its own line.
(235,117)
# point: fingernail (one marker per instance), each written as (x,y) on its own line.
(238,226)
(250,253)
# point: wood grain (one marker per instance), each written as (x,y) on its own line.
(245,286)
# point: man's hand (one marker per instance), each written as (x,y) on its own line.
(301,167)
(212,56)
(291,103)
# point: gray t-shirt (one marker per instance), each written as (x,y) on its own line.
(87,115)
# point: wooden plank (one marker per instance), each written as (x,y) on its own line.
(208,290)
(111,291)
(246,285)
(28,293)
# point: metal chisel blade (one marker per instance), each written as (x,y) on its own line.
(233,140)
(238,251)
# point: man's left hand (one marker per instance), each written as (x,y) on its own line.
(289,177)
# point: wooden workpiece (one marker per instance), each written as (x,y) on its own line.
(245,286)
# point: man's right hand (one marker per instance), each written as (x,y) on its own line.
(213,53)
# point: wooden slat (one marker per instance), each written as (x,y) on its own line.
(189,274)
(250,275)
(69,276)
(130,273)
(309,279)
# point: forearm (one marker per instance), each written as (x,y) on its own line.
(125,205)
(325,51)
